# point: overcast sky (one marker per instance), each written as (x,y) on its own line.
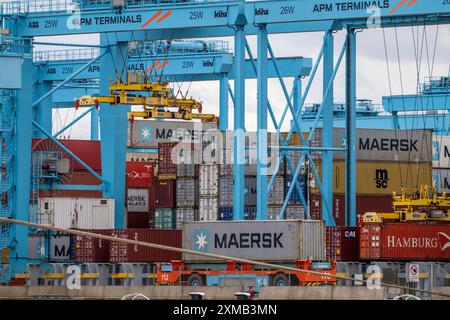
(418,48)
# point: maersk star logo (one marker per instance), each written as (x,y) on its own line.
(201,241)
(436,150)
(145,134)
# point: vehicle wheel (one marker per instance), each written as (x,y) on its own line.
(280,280)
(195,280)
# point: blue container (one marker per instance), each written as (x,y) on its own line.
(295,198)
(249,213)
(226,213)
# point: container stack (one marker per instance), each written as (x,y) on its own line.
(386,161)
(208,192)
(165,188)
(441,163)
(140,194)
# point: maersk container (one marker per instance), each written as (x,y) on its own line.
(187,192)
(185,215)
(277,241)
(77,213)
(208,208)
(226,191)
(250,193)
(209,180)
(441,179)
(148,133)
(384,145)
(441,151)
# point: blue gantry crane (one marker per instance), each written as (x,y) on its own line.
(119,22)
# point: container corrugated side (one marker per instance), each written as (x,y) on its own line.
(187,192)
(342,243)
(276,194)
(441,151)
(166,163)
(441,179)
(164,193)
(209,180)
(285,240)
(185,215)
(208,208)
(250,192)
(226,191)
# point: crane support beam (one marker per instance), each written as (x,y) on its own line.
(210,19)
(419,102)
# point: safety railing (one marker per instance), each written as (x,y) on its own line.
(39,6)
(64,55)
(435,85)
(14,45)
(142,49)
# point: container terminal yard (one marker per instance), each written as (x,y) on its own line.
(169,199)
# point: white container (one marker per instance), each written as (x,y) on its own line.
(208,209)
(441,152)
(209,180)
(77,213)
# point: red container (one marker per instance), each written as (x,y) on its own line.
(120,252)
(369,243)
(342,243)
(139,174)
(165,162)
(415,241)
(89,249)
(138,220)
(363,204)
(165,193)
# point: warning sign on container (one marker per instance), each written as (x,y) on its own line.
(414,272)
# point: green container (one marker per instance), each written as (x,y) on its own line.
(165,218)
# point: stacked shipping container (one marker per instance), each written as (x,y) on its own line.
(441,163)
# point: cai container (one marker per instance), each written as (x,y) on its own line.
(277,241)
(342,243)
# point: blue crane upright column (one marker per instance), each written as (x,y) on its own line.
(43,111)
(327,132)
(113,128)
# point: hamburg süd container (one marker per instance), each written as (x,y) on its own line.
(148,133)
(187,193)
(186,215)
(208,208)
(209,180)
(77,213)
(384,145)
(138,200)
(165,193)
(342,244)
(165,218)
(278,241)
(123,252)
(139,174)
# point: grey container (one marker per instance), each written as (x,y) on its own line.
(272,212)
(185,215)
(187,192)
(148,133)
(276,194)
(187,170)
(225,170)
(277,241)
(384,145)
(209,180)
(226,191)
(208,209)
(294,212)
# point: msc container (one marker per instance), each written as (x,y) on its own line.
(77,213)
(295,197)
(148,133)
(441,179)
(226,191)
(139,174)
(209,180)
(138,220)
(225,214)
(381,178)
(165,193)
(363,204)
(187,192)
(208,209)
(342,243)
(276,194)
(249,212)
(165,218)
(280,241)
(186,215)
(294,212)
(123,252)
(166,163)
(441,151)
(384,145)
(138,200)
(406,241)
(90,249)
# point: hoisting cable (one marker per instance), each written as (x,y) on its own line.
(209,255)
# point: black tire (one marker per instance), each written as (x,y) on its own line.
(195,280)
(280,280)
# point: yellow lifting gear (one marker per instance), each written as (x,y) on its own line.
(154,97)
(422,205)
